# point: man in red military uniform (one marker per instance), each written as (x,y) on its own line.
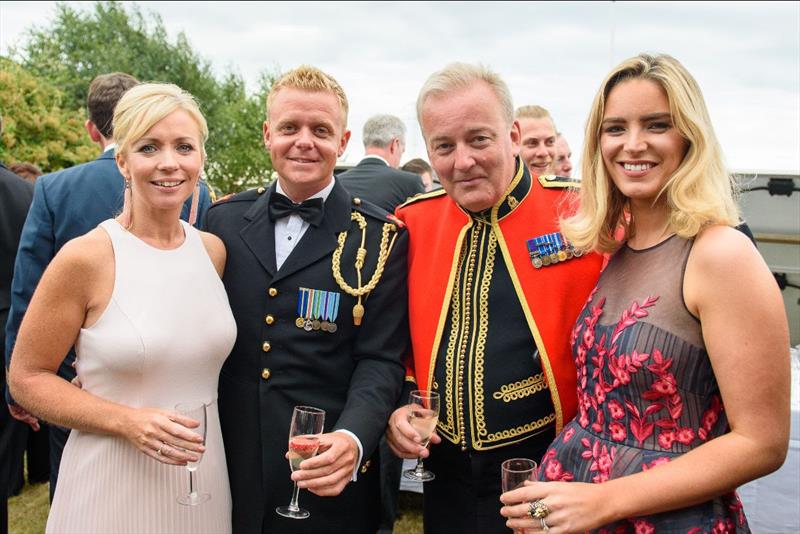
(493,294)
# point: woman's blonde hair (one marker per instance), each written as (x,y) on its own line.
(700,191)
(143,105)
(139,109)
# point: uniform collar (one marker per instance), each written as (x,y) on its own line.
(517,190)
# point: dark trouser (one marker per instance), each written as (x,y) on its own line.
(391,467)
(465,496)
(38,449)
(12,447)
(58,438)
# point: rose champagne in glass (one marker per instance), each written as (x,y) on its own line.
(304,432)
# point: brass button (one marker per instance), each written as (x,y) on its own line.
(265,374)
(266,347)
(272,292)
(356,201)
(269,319)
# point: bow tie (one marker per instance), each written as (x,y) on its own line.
(310,210)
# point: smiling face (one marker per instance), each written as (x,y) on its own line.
(640,145)
(164,164)
(470,145)
(305,134)
(538,148)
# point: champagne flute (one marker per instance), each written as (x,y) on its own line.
(514,473)
(196,411)
(307,424)
(423,407)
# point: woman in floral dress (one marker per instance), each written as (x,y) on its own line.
(682,349)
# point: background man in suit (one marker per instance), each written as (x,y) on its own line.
(421,167)
(15,198)
(67,204)
(376,177)
(321,321)
(538,145)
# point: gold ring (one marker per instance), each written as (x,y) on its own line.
(544,525)
(537,509)
(158,452)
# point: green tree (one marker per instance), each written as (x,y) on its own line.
(36,128)
(112,36)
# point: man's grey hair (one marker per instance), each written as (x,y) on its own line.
(457,76)
(380,130)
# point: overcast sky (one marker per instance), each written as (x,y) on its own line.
(746,56)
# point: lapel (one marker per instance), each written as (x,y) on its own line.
(320,241)
(259,233)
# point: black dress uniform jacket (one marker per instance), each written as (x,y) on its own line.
(355,373)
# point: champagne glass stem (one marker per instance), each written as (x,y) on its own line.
(191,482)
(419,469)
(295,492)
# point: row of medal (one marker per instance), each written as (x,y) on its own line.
(317,309)
(550,249)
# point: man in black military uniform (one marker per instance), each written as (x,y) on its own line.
(317,283)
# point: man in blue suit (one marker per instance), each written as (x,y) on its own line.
(67,204)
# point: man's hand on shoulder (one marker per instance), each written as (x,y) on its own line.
(404,441)
(327,473)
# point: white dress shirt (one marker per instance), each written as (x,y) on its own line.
(288,232)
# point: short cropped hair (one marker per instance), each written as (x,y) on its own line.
(700,192)
(380,130)
(457,76)
(417,166)
(104,93)
(532,112)
(308,78)
(144,105)
(29,171)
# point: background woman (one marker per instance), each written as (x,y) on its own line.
(682,350)
(141,299)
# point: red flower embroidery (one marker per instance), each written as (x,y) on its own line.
(685,435)
(616,410)
(553,470)
(723,526)
(641,526)
(568,434)
(666,439)
(618,432)
(657,461)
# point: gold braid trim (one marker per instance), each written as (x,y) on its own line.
(361,255)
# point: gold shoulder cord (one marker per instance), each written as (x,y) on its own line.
(383,255)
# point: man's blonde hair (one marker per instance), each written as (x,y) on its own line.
(308,78)
(458,76)
(532,112)
(700,192)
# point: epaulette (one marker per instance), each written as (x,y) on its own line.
(375,212)
(551,181)
(423,196)
(249,195)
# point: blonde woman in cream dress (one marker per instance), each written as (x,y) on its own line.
(141,299)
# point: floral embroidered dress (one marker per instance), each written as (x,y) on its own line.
(646,390)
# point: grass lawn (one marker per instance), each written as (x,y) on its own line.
(27,512)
